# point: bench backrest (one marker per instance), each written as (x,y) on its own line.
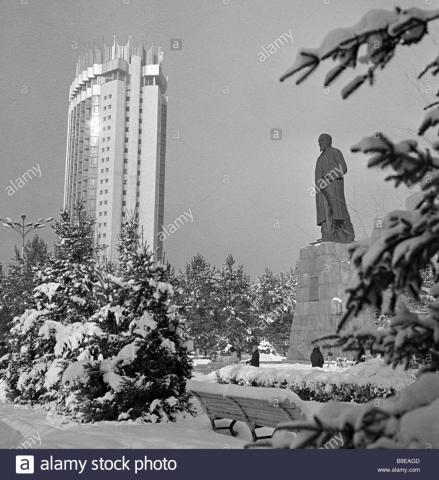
(270,414)
(229,402)
(219,406)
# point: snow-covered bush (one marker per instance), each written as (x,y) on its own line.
(393,258)
(407,420)
(359,383)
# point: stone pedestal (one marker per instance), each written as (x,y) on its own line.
(323,274)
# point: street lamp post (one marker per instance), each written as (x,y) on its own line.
(24,228)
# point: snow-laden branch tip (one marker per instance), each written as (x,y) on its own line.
(380,30)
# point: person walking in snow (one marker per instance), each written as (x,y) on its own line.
(317,357)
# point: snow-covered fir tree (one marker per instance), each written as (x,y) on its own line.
(197,293)
(45,337)
(225,310)
(239,328)
(18,281)
(273,300)
(139,367)
(17,284)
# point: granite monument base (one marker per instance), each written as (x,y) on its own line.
(323,274)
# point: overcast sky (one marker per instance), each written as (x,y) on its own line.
(247,193)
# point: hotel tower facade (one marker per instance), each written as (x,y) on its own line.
(116,141)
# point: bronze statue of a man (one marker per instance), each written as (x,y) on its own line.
(332,212)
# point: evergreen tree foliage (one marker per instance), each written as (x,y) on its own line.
(392,260)
(67,284)
(4,329)
(17,284)
(225,311)
(142,366)
(18,281)
(273,302)
(197,294)
(239,328)
(55,322)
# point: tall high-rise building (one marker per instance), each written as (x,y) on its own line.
(116,141)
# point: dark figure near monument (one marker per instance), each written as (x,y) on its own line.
(332,213)
(317,358)
(361,354)
(254,360)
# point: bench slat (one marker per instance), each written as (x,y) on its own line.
(255,412)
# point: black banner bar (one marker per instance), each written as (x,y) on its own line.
(219,464)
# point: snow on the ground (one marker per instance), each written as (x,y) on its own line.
(27,427)
(22,426)
(33,427)
(209,377)
(8,436)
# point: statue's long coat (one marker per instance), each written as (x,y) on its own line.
(330,168)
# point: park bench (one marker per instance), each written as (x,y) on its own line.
(256,406)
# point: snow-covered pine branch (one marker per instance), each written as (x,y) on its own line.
(379,31)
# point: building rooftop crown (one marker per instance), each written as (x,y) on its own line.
(99,54)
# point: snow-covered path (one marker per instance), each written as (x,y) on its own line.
(8,436)
(25,427)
